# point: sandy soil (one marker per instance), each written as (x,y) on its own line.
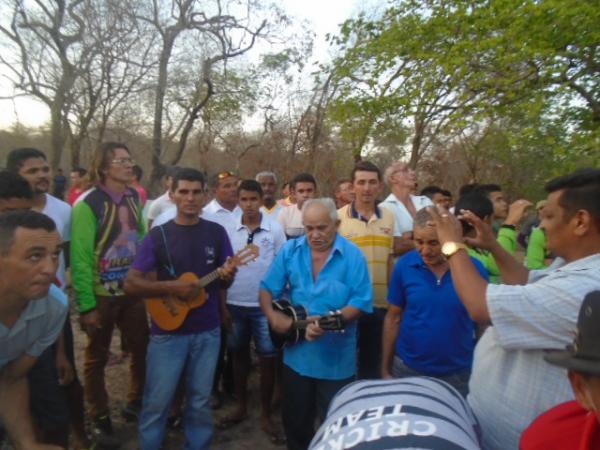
(244,436)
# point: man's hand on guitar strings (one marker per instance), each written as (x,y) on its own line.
(185,290)
(227,271)
(313,330)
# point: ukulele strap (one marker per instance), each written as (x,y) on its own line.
(170,267)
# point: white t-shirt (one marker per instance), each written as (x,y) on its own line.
(159,205)
(290,219)
(60,213)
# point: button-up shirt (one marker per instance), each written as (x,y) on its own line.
(511,384)
(343,281)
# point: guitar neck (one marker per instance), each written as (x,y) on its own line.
(209,278)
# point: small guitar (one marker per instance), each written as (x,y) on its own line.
(170,312)
(334,321)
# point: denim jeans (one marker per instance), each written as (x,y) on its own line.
(168,356)
(458,380)
(249,321)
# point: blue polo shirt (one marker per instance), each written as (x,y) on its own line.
(437,335)
(343,281)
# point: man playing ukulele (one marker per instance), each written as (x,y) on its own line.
(325,272)
(184,244)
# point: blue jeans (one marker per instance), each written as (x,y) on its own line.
(168,356)
(250,321)
(458,380)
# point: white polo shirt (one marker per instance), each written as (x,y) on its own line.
(269,238)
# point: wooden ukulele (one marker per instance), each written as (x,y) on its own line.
(170,312)
(334,321)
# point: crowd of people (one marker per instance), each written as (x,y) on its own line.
(377,322)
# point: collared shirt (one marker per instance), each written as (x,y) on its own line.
(511,384)
(375,237)
(290,218)
(159,205)
(36,329)
(404,221)
(269,238)
(343,281)
(437,335)
(225,217)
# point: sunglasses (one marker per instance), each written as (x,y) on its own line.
(225,174)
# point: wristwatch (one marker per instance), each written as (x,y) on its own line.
(450,248)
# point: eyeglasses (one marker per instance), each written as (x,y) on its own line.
(225,174)
(123,161)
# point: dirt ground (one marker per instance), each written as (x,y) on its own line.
(244,436)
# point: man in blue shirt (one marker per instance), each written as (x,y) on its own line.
(426,322)
(325,272)
(32,314)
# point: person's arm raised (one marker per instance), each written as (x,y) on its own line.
(511,270)
(469,284)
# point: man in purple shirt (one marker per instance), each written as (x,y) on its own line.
(184,244)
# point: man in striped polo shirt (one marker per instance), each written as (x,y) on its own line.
(372,229)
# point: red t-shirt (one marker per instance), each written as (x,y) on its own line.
(74,193)
(565,427)
(142,193)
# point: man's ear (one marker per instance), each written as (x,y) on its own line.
(489,219)
(582,220)
(581,390)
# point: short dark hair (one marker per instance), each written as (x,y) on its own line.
(17,157)
(302,178)
(467,189)
(365,166)
(446,193)
(13,185)
(10,221)
(80,170)
(487,189)
(428,191)
(581,190)
(477,203)
(171,171)
(250,185)
(137,172)
(186,174)
(101,159)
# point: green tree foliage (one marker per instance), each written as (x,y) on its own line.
(528,69)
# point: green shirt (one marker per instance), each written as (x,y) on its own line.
(536,250)
(507,238)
